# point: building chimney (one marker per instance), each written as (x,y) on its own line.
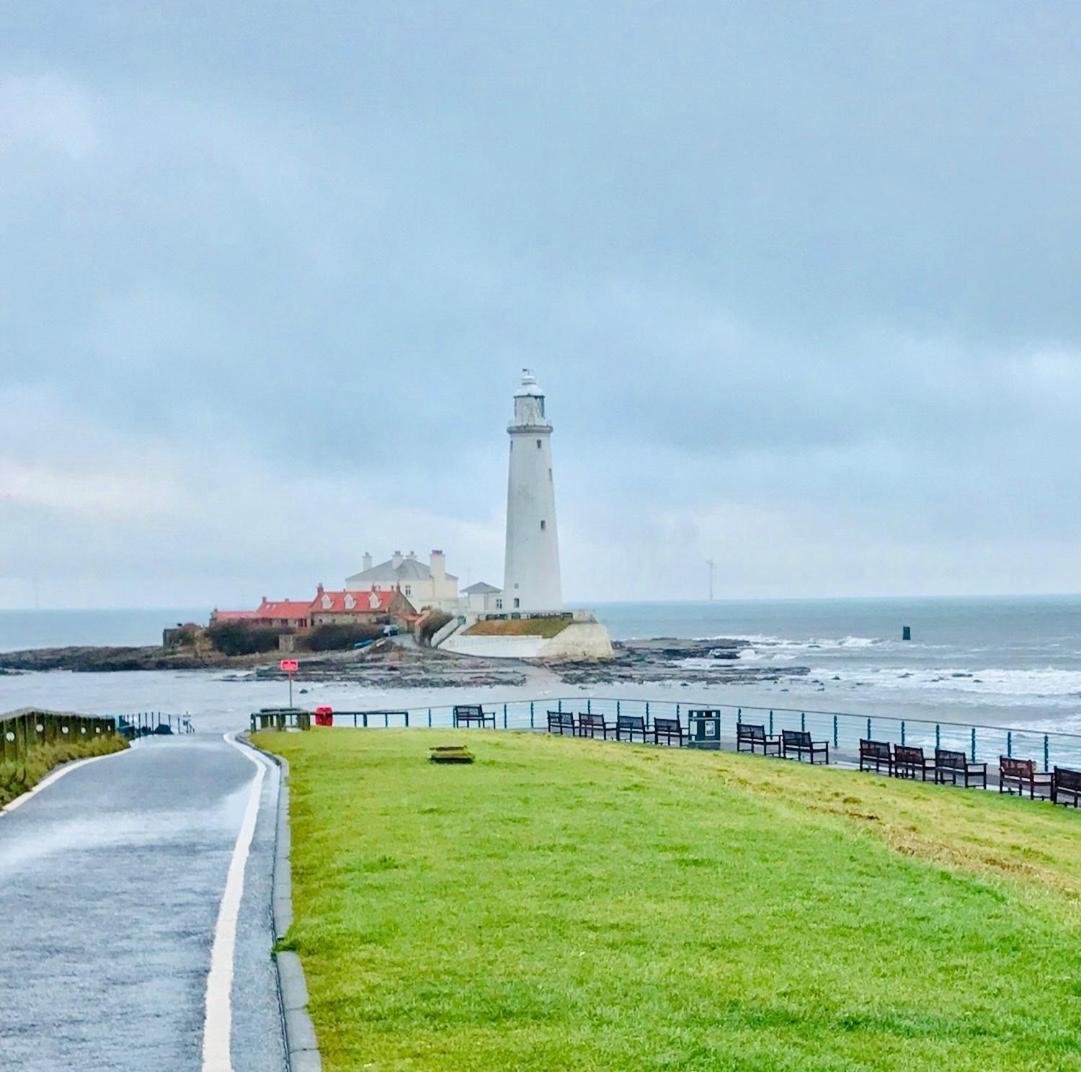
(367,560)
(439,566)
(319,589)
(412,554)
(396,559)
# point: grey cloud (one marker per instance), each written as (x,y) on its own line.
(811,271)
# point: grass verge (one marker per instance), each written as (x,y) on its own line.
(542,627)
(18,778)
(565,904)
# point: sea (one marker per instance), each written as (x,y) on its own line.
(984,660)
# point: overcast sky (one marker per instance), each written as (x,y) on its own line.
(802,283)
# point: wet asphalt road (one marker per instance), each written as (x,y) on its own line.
(110,883)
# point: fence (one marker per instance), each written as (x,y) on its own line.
(153,723)
(281,718)
(25,729)
(842,729)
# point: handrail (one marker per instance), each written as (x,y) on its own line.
(843,728)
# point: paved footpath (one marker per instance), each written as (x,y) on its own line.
(111,881)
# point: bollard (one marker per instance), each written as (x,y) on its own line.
(504,717)
(429,718)
(835,744)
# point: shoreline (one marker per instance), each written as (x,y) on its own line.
(401,666)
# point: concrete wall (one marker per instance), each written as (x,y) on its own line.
(496,647)
(448,630)
(580,640)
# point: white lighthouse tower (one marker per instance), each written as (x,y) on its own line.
(531,580)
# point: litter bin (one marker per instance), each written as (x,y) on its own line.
(704,728)
(324,716)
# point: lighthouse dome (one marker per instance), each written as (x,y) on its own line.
(530,388)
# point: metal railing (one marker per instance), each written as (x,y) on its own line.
(843,730)
(281,718)
(25,729)
(153,724)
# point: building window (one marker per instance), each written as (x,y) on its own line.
(544,525)
(549,474)
(499,604)
(408,590)
(538,444)
(517,602)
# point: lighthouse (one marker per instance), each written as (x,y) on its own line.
(531,579)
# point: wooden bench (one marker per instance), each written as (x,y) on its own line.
(910,762)
(799,741)
(561,722)
(590,725)
(473,715)
(1066,787)
(752,738)
(1022,774)
(874,755)
(955,765)
(670,729)
(629,725)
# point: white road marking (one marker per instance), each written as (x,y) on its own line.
(49,779)
(218,1021)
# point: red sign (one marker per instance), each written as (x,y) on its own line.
(288,666)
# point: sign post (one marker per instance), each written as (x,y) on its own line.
(289,666)
(704,728)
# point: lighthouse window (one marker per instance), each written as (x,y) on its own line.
(517,601)
(538,444)
(544,525)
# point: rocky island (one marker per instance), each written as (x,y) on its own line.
(399,662)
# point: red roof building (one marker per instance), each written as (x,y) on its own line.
(283,613)
(344,607)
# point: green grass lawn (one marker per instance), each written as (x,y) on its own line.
(16,777)
(542,627)
(565,904)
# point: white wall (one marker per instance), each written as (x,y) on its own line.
(532,552)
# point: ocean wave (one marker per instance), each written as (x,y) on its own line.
(765,649)
(1017,683)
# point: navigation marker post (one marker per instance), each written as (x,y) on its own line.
(289,666)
